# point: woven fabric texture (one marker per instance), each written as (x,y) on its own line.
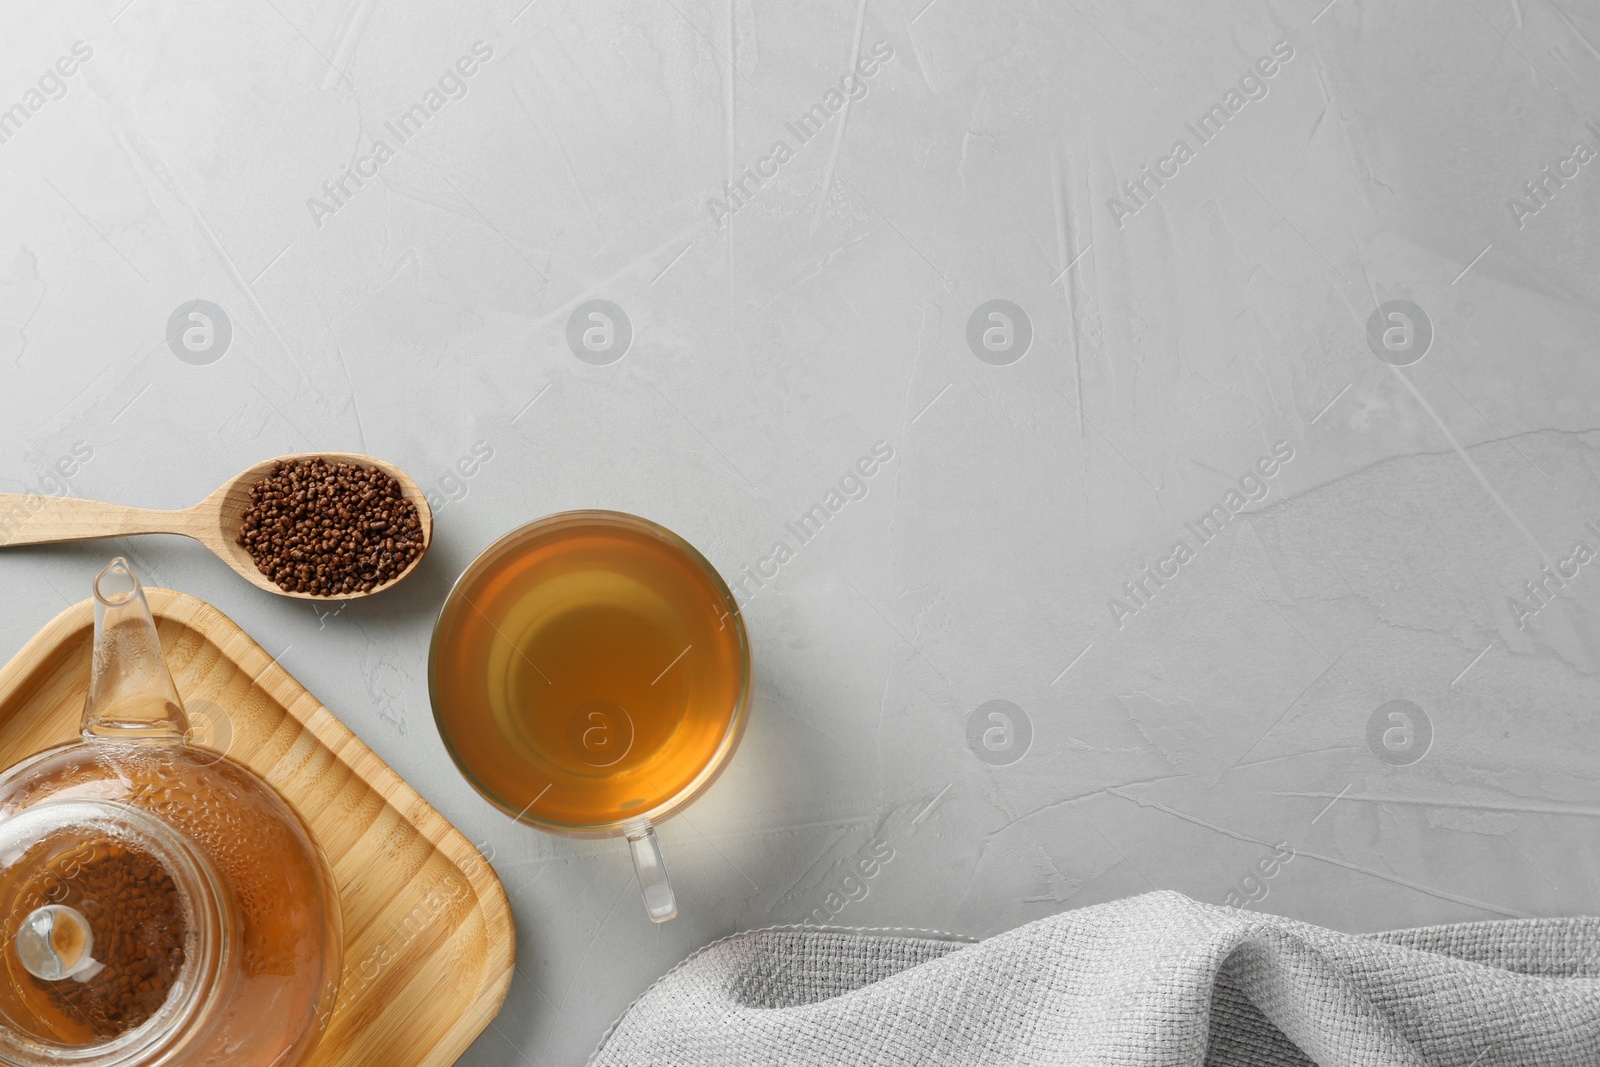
(1152,980)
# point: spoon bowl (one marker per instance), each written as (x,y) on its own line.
(215,522)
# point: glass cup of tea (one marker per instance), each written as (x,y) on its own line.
(590,676)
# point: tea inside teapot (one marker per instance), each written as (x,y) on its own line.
(159,901)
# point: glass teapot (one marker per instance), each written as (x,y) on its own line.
(160,904)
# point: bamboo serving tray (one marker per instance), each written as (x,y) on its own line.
(428,934)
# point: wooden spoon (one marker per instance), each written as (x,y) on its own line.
(27,519)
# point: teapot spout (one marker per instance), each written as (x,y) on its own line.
(131,695)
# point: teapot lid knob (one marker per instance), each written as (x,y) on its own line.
(55,942)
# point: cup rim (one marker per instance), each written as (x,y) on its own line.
(708,774)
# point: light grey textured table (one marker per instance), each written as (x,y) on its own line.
(1183,358)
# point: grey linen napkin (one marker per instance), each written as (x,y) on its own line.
(1155,979)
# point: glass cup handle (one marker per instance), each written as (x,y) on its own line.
(659,901)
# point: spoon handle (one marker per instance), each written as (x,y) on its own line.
(29,519)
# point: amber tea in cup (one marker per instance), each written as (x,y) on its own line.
(590,675)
